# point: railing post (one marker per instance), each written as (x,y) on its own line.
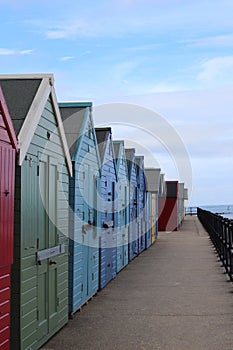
(221,233)
(230,232)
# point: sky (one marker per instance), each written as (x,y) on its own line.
(169,63)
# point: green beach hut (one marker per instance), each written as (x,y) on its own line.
(39,294)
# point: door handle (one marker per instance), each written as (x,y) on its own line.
(6,193)
(51,262)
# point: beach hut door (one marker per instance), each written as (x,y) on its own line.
(89,239)
(48,302)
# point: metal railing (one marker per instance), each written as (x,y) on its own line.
(191,211)
(220,230)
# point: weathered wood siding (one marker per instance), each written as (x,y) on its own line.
(133,235)
(141,200)
(108,243)
(7,178)
(84,240)
(123,210)
(40,291)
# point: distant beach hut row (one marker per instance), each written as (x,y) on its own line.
(76,207)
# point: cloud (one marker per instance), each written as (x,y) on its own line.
(26,52)
(211,41)
(142,48)
(9,52)
(79,28)
(6,52)
(123,69)
(217,70)
(67,58)
(203,119)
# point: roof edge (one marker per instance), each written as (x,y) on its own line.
(32,118)
(28,76)
(74,104)
(62,131)
(8,121)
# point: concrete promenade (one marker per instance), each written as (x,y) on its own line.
(174,296)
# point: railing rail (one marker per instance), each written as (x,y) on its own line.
(220,230)
(191,211)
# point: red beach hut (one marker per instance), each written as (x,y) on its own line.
(8,148)
(168,208)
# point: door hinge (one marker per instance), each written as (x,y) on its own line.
(37,243)
(37,314)
(38,170)
(58,301)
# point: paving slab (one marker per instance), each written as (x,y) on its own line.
(174,296)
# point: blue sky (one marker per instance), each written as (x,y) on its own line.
(174,57)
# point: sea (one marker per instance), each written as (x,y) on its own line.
(223,210)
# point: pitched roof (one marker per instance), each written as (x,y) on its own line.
(172,188)
(119,151)
(139,161)
(162,185)
(75,118)
(117,146)
(152,176)
(7,121)
(19,95)
(73,122)
(130,157)
(102,135)
(26,96)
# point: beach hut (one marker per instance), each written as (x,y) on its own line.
(122,204)
(180,203)
(8,149)
(83,233)
(152,186)
(168,208)
(162,186)
(132,176)
(39,298)
(141,201)
(182,196)
(107,208)
(148,216)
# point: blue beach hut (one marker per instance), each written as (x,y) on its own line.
(122,204)
(108,207)
(141,201)
(148,211)
(132,176)
(83,220)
